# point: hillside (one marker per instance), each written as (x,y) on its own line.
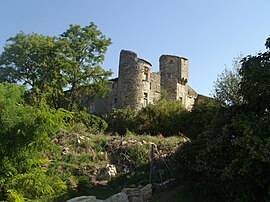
(102,164)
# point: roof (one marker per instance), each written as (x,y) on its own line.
(145,61)
(181,57)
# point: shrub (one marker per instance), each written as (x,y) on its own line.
(24,138)
(121,120)
(94,123)
(162,117)
(139,154)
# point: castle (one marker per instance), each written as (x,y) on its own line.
(136,86)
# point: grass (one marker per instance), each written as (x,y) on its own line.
(86,150)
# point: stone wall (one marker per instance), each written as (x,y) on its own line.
(154,86)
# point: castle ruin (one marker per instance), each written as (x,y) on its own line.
(136,86)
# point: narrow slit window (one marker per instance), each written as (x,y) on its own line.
(145,99)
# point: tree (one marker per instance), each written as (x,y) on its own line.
(24,138)
(226,88)
(62,69)
(230,159)
(84,49)
(33,60)
(255,83)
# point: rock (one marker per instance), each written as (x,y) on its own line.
(65,150)
(111,169)
(136,199)
(146,192)
(85,199)
(120,197)
(124,142)
(107,173)
(132,192)
(54,141)
(144,142)
(103,176)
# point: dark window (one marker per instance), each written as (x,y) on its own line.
(145,99)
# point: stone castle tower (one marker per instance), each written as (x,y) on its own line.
(174,77)
(136,86)
(132,80)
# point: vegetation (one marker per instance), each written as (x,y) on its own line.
(24,138)
(230,160)
(227,86)
(50,148)
(164,117)
(60,69)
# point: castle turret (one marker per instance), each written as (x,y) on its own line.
(133,75)
(174,77)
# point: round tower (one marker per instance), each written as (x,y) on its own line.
(130,85)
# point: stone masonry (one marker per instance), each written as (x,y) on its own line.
(136,86)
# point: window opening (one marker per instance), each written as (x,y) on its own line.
(145,99)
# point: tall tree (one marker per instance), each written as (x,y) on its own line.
(226,87)
(62,69)
(255,83)
(84,49)
(33,60)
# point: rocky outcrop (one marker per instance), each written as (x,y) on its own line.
(107,173)
(126,195)
(85,199)
(120,197)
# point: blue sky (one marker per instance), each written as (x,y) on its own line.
(210,33)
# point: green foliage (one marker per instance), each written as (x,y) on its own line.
(83,51)
(226,88)
(24,137)
(121,120)
(33,60)
(63,70)
(162,117)
(13,196)
(194,122)
(230,160)
(166,117)
(94,123)
(139,154)
(255,85)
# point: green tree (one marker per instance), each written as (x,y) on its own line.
(230,160)
(226,87)
(33,60)
(84,49)
(255,83)
(24,138)
(63,69)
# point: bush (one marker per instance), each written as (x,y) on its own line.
(94,123)
(139,154)
(162,117)
(121,120)
(25,133)
(194,122)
